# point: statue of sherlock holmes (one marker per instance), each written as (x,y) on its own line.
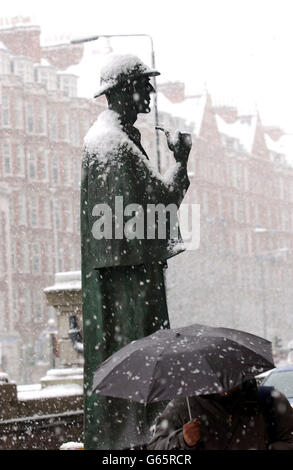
(123,255)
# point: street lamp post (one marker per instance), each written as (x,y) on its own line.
(95,38)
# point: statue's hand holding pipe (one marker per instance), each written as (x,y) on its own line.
(179,143)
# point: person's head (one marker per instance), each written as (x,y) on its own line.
(132,96)
(125,80)
(245,386)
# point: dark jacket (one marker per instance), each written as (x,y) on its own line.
(114,166)
(233,424)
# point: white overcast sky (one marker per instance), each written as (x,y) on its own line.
(241,50)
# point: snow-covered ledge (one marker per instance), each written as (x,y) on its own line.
(65,297)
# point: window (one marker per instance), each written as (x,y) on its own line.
(18,112)
(239,212)
(32,165)
(38,306)
(57,219)
(27,303)
(64,127)
(246,179)
(230,143)
(60,260)
(239,243)
(249,243)
(23,259)
(55,170)
(48,259)
(52,80)
(44,165)
(36,258)
(53,125)
(285,218)
(76,174)
(7,163)
(42,119)
(29,118)
(34,211)
(67,171)
(43,77)
(46,212)
(236,175)
(15,303)
(68,84)
(13,255)
(4,63)
(247,212)
(24,69)
(68,216)
(71,259)
(20,209)
(75,137)
(19,160)
(6,122)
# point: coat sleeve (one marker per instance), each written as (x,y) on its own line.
(283,413)
(168,189)
(169,430)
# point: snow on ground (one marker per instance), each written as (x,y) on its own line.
(72,446)
(35,391)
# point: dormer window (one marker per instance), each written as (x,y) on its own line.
(24,68)
(67,84)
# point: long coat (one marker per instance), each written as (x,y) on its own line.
(123,289)
(243,428)
(116,173)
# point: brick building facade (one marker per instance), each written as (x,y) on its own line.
(42,127)
(241,276)
(244,188)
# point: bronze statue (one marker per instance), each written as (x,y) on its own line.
(123,257)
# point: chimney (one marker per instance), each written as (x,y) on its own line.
(174,91)
(63,56)
(23,40)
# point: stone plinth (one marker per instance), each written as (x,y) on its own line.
(65,297)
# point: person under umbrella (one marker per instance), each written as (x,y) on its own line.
(208,373)
(244,418)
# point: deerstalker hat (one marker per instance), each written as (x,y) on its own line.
(119,68)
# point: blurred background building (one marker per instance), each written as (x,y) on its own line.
(240,172)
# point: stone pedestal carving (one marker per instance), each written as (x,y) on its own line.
(65,297)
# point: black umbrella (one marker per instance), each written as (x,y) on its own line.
(194,360)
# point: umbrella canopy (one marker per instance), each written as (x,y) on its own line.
(194,360)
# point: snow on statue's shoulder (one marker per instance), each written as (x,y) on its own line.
(105,130)
(105,136)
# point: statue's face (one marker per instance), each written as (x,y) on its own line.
(142,88)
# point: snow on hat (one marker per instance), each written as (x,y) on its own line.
(121,67)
